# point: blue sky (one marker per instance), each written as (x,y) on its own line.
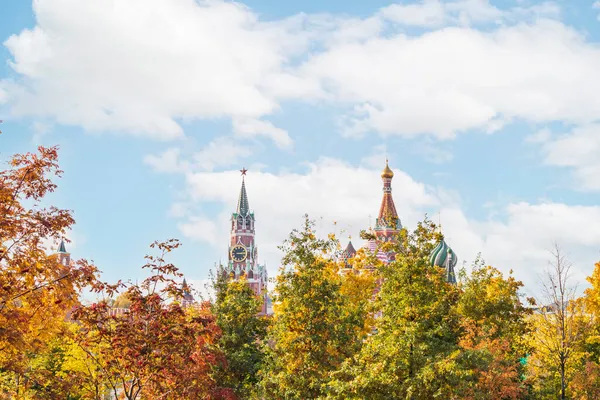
(487,110)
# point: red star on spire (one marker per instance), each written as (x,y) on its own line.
(243,171)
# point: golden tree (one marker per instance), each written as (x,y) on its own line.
(36,290)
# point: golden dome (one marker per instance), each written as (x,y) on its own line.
(387,172)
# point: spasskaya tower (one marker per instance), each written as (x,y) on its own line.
(243,253)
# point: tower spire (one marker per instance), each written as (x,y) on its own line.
(388,219)
(61,246)
(243,208)
(63,255)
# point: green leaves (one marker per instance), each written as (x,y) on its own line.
(242,334)
(315,326)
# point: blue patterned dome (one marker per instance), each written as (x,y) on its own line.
(444,257)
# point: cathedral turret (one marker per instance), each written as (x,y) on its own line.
(443,256)
(347,254)
(387,223)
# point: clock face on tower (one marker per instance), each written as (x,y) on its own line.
(238,253)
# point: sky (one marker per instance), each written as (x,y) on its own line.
(487,111)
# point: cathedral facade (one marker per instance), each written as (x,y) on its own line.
(388,226)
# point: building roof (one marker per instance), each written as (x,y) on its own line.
(350,251)
(61,247)
(444,257)
(243,207)
(387,172)
(388,216)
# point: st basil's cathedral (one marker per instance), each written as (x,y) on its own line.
(243,253)
(388,226)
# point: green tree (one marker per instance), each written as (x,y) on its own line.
(494,325)
(412,354)
(314,327)
(242,333)
(561,327)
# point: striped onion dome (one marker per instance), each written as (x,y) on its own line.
(444,257)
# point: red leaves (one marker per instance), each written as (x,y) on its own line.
(37,292)
(152,344)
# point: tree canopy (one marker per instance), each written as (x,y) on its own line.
(341,329)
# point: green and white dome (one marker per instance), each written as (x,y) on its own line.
(444,257)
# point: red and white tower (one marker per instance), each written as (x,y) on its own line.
(387,224)
(243,253)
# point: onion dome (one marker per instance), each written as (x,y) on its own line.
(444,257)
(387,172)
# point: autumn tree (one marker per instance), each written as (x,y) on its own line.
(157,349)
(493,319)
(410,354)
(591,302)
(560,329)
(36,290)
(585,384)
(242,334)
(61,370)
(313,329)
(358,285)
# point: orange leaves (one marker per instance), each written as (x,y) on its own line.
(156,348)
(36,291)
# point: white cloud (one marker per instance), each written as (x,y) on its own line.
(249,128)
(3,94)
(40,129)
(127,66)
(456,79)
(548,9)
(524,242)
(200,228)
(541,136)
(167,162)
(178,210)
(578,150)
(376,158)
(435,13)
(331,190)
(222,151)
(433,153)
